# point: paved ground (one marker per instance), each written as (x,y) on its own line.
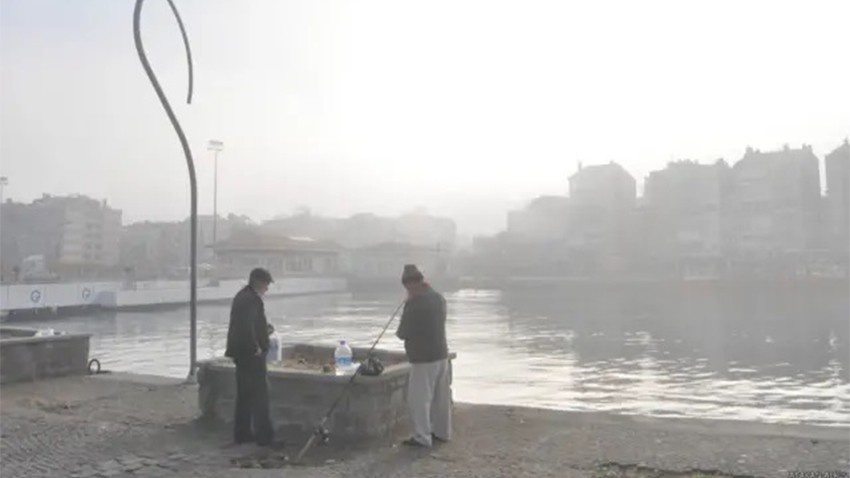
(122,425)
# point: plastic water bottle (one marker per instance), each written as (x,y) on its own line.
(274,353)
(342,358)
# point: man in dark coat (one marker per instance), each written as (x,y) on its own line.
(247,344)
(423,329)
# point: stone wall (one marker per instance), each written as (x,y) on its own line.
(24,357)
(373,407)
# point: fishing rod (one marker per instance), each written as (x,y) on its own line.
(321,431)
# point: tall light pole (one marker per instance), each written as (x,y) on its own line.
(216,146)
(3,182)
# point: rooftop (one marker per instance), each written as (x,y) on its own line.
(600,171)
(255,240)
(786,155)
(397,247)
(843,150)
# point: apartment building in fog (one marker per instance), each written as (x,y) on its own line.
(837,202)
(775,202)
(78,236)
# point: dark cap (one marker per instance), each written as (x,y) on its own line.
(411,274)
(260,275)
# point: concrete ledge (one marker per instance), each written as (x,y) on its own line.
(29,358)
(373,407)
(16,332)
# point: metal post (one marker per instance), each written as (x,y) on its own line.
(215,146)
(215,199)
(3,182)
(193,281)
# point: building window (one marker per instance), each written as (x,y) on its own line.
(299,264)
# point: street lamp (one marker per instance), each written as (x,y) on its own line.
(3,182)
(216,146)
(190,165)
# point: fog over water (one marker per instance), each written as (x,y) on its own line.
(764,356)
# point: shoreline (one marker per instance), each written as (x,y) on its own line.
(719,283)
(118,424)
(692,423)
(703,426)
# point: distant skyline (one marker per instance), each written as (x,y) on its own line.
(420,209)
(465,108)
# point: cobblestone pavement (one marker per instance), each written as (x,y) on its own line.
(96,426)
(120,425)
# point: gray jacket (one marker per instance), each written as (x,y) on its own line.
(423,327)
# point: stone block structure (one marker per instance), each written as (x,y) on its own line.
(27,357)
(373,407)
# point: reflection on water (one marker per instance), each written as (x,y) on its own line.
(773,357)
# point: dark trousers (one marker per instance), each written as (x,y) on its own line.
(252,402)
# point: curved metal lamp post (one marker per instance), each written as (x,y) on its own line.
(187,153)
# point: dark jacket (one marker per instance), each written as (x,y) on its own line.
(247,331)
(423,327)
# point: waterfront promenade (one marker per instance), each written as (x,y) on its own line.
(133,425)
(27,299)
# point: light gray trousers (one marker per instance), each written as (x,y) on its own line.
(429,400)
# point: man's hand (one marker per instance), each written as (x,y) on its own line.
(258,352)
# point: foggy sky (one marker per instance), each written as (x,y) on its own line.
(463,107)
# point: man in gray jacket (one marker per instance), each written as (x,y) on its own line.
(423,329)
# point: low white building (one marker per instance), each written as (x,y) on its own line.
(281,255)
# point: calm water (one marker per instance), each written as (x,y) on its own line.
(773,357)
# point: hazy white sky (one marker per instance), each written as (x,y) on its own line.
(464,107)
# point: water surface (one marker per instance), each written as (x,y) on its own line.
(772,357)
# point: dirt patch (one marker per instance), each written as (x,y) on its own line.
(319,455)
(616,470)
(303,363)
(49,406)
(317,365)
